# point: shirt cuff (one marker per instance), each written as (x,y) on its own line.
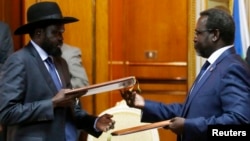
(95,125)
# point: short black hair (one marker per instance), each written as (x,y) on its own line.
(221,20)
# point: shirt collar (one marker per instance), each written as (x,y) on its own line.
(40,51)
(212,58)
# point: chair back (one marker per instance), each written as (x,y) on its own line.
(126,117)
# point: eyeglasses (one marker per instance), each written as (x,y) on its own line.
(198,32)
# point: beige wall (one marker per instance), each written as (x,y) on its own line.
(247,2)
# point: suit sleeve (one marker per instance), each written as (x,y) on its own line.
(156,111)
(85,121)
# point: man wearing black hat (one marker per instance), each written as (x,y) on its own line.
(33,82)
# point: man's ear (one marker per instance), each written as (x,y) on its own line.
(38,31)
(37,35)
(216,34)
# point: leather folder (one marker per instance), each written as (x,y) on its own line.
(117,84)
(140,128)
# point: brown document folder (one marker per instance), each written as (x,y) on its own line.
(117,84)
(141,128)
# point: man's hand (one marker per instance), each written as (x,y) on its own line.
(105,123)
(61,99)
(133,99)
(177,125)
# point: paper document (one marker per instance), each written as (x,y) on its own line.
(117,84)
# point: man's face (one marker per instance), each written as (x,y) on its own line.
(53,39)
(202,38)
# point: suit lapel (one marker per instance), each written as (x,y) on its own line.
(60,67)
(196,87)
(200,85)
(43,70)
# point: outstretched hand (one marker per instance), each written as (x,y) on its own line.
(105,123)
(133,99)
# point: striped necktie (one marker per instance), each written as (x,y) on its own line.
(53,73)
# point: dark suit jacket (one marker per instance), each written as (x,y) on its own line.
(26,109)
(6,42)
(221,97)
(6,48)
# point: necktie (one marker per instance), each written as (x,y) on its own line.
(52,71)
(203,69)
(70,130)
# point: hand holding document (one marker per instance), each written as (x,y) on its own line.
(117,84)
(141,128)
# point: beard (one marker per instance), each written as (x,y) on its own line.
(51,48)
(203,51)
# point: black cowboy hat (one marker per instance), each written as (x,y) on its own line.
(43,13)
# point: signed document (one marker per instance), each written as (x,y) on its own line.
(117,84)
(141,128)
